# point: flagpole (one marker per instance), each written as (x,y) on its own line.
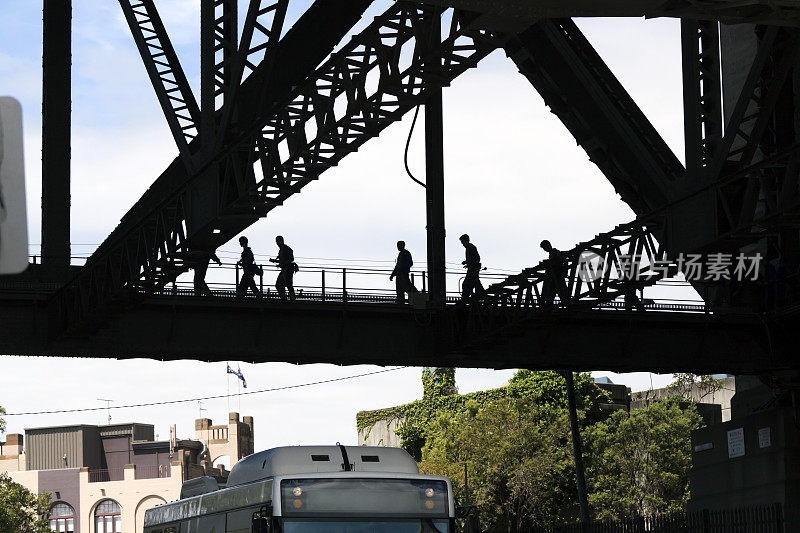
(228,387)
(239,391)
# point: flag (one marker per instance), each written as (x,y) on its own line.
(241,376)
(238,374)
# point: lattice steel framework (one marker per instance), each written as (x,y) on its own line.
(612,265)
(166,74)
(369,84)
(702,93)
(276,132)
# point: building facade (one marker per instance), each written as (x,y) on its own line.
(103,478)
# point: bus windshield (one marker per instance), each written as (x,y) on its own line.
(367,498)
(366,526)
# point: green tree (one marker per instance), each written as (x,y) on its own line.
(518,459)
(438,381)
(549,389)
(515,443)
(545,388)
(21,511)
(638,463)
(684,384)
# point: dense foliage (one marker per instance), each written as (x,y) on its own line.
(546,389)
(518,459)
(514,442)
(638,463)
(515,445)
(21,511)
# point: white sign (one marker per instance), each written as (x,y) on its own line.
(764,438)
(13,216)
(736,443)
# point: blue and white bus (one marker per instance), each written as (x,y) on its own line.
(313,489)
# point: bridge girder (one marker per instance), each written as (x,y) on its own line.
(216,329)
(505,12)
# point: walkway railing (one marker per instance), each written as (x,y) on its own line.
(623,269)
(366,285)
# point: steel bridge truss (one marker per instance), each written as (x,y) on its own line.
(615,264)
(376,78)
(263,146)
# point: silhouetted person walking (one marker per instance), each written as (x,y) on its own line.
(554,282)
(401,271)
(472,263)
(200,269)
(285,262)
(249,267)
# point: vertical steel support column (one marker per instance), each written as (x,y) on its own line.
(577,449)
(702,93)
(56,110)
(207,72)
(434,173)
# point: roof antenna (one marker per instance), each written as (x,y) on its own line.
(346,464)
(108,408)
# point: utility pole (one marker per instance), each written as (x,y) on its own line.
(576,449)
(108,408)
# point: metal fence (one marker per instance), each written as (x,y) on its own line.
(101,475)
(760,519)
(152,471)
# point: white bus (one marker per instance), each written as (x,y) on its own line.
(313,489)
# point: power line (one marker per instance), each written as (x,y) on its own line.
(187,400)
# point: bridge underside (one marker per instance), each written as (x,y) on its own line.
(780,12)
(216,329)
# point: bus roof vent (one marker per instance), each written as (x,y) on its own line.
(198,486)
(313,459)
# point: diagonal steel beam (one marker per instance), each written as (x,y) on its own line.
(582,91)
(255,54)
(164,69)
(752,117)
(321,121)
(745,112)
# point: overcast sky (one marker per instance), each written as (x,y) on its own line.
(513,176)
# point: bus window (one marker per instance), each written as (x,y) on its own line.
(214,523)
(240,521)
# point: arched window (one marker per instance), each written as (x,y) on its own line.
(107,517)
(62,518)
